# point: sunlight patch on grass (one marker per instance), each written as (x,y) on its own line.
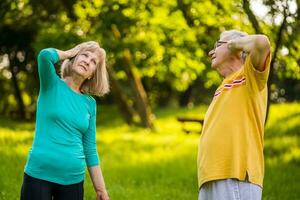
(147,147)
(282,149)
(283,119)
(15,143)
(8,137)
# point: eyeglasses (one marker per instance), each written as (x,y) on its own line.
(219,43)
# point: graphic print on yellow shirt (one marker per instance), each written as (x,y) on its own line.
(238,81)
(231,143)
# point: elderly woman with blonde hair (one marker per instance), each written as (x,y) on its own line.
(65,134)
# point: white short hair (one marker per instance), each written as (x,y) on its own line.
(235,34)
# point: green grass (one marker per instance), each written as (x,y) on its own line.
(143,165)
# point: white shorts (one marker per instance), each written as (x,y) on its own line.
(230,189)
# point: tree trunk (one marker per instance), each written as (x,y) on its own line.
(141,99)
(251,16)
(274,57)
(278,42)
(18,95)
(186,97)
(184,9)
(120,98)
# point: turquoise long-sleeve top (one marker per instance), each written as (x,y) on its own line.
(65,134)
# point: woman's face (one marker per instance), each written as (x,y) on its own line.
(85,64)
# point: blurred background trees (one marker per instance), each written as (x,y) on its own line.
(157,50)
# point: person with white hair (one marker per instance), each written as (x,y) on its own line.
(230,155)
(65,134)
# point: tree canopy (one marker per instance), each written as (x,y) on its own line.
(157,50)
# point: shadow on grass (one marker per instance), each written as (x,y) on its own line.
(281,181)
(109,116)
(15,125)
(11,170)
(197,112)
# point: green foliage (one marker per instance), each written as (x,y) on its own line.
(168,42)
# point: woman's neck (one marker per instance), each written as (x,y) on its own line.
(74,82)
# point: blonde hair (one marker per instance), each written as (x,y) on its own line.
(98,84)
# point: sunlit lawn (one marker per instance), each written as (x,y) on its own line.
(143,165)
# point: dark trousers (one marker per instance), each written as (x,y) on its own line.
(37,189)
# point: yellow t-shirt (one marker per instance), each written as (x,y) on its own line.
(231,144)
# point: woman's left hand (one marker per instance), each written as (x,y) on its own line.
(102,195)
(74,51)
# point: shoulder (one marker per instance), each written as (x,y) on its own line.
(91,100)
(50,53)
(90,103)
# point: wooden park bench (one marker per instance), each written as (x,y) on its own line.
(185,120)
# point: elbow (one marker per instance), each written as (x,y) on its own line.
(262,43)
(44,53)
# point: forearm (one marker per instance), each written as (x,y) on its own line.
(249,43)
(257,46)
(68,53)
(97,179)
(63,54)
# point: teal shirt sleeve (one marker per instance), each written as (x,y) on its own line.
(47,74)
(89,139)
